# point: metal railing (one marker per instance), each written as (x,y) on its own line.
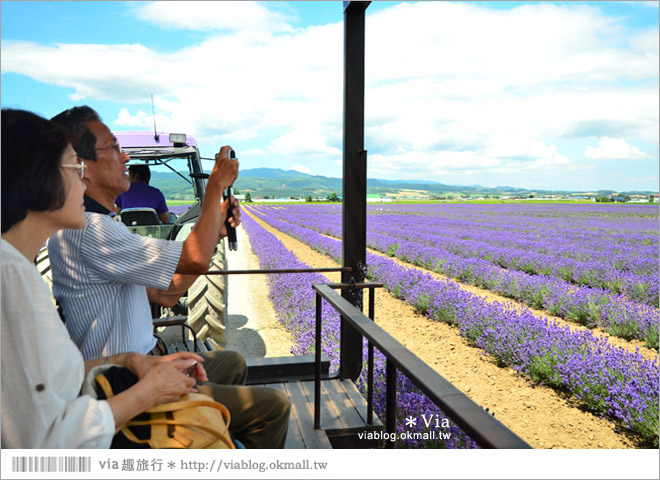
(482,427)
(279,270)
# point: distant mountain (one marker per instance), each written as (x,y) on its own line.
(277,173)
(409,182)
(277,183)
(272,173)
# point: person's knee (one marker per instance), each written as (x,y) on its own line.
(281,405)
(233,360)
(225,367)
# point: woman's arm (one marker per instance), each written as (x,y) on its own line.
(114,359)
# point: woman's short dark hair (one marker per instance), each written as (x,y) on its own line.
(32,149)
(76,119)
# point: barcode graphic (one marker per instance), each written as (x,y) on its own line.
(51,464)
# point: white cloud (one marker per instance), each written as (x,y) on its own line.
(451,87)
(642,180)
(302,169)
(140,119)
(304,140)
(429,165)
(512,146)
(252,152)
(226,15)
(651,3)
(109,71)
(614,149)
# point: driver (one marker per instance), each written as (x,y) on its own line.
(141,194)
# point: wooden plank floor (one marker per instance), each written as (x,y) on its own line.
(343,411)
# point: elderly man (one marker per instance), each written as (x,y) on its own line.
(104,277)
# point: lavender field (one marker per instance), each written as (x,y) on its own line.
(294,303)
(597,266)
(593,265)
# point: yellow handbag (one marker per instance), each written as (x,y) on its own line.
(193,421)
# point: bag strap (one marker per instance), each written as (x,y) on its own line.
(222,436)
(181,404)
(172,406)
(170,442)
(104,383)
(128,433)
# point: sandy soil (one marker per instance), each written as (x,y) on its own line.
(537,414)
(252,326)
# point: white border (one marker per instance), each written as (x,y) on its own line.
(363,464)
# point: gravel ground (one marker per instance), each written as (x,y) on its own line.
(252,327)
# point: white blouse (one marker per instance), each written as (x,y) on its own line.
(42,370)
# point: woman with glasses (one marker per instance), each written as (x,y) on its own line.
(42,370)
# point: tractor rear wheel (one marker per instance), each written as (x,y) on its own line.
(207,302)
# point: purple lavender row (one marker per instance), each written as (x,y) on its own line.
(632,225)
(292,295)
(635,276)
(411,402)
(587,306)
(552,235)
(637,220)
(605,379)
(596,248)
(294,302)
(588,241)
(632,271)
(550,239)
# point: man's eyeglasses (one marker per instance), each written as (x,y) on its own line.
(115,146)
(80,167)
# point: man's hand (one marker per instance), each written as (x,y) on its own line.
(166,382)
(199,247)
(234,220)
(225,171)
(141,364)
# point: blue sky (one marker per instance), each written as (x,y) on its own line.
(539,95)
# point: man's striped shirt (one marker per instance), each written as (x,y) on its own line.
(100,275)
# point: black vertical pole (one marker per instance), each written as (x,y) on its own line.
(390,401)
(370,363)
(354,209)
(317,363)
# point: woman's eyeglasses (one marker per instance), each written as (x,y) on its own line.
(80,167)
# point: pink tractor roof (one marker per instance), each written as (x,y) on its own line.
(146,139)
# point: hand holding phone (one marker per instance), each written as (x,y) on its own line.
(227,193)
(191,369)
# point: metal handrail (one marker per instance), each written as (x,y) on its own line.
(470,417)
(279,270)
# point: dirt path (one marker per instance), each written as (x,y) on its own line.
(252,327)
(536,413)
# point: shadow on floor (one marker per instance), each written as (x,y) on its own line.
(246,341)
